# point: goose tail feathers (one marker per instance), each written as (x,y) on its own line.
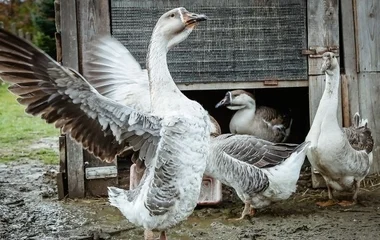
(115,196)
(359,122)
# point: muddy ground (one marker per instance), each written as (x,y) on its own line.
(29,209)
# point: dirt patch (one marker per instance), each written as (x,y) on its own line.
(29,209)
(49,142)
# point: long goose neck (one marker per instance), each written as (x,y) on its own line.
(330,97)
(328,105)
(160,78)
(247,113)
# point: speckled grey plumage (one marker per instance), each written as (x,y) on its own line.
(260,171)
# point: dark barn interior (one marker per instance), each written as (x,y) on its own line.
(296,99)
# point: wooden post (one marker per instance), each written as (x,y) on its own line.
(57,11)
(20,33)
(74,153)
(345,101)
(62,175)
(367,18)
(28,36)
(13,28)
(94,21)
(323,31)
(349,57)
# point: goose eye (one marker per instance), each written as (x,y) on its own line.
(172,15)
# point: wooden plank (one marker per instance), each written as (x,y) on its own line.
(368,19)
(58,45)
(57,15)
(94,21)
(98,187)
(345,102)
(323,31)
(61,176)
(349,57)
(323,28)
(241,85)
(369,90)
(75,170)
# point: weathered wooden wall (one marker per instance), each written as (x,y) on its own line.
(367,22)
(357,21)
(74,153)
(82,21)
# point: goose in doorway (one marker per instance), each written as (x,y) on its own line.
(263,122)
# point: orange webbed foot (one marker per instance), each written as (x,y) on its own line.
(327,203)
(346,203)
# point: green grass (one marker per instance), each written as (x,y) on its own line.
(19,130)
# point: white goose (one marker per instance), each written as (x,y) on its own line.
(261,172)
(173,138)
(342,156)
(263,122)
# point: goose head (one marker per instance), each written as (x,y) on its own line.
(330,63)
(237,99)
(175,25)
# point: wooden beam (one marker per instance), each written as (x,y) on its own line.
(241,85)
(349,57)
(369,90)
(345,101)
(62,176)
(69,39)
(93,21)
(323,31)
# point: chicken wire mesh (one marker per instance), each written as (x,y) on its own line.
(243,40)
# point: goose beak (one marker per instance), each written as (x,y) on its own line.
(225,101)
(192,18)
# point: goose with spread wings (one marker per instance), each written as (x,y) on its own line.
(172,137)
(260,171)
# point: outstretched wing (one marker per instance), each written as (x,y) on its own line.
(115,73)
(65,98)
(252,150)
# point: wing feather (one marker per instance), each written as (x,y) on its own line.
(115,73)
(255,151)
(64,97)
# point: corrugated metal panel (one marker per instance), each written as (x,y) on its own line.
(241,41)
